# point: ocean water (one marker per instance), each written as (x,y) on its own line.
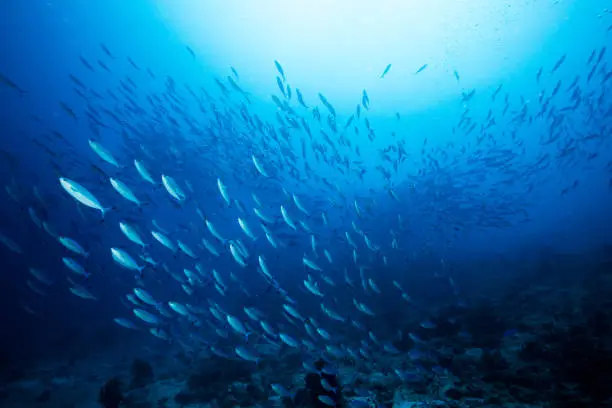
(306,203)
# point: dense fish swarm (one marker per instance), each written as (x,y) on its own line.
(258,247)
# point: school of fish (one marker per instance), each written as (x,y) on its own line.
(258,204)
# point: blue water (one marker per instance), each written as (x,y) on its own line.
(454,204)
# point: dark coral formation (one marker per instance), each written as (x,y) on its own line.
(142,373)
(211,381)
(111,395)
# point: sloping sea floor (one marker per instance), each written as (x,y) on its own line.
(558,354)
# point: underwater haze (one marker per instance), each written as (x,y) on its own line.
(306,203)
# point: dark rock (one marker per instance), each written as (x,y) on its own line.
(454,393)
(111,395)
(142,373)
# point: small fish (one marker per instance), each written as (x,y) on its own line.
(82,195)
(123,322)
(422,68)
(164,240)
(144,173)
(73,246)
(386,71)
(124,191)
(558,64)
(75,267)
(237,326)
(223,191)
(68,110)
(179,308)
(145,316)
(186,250)
(12,85)
(288,340)
(82,292)
(246,355)
(107,51)
(237,255)
(327,400)
(103,153)
(132,63)
(287,219)
(245,228)
(131,233)
(280,70)
(10,244)
(145,297)
(173,188)
(258,166)
(124,259)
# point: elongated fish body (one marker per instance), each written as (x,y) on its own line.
(75,267)
(259,167)
(288,340)
(421,69)
(280,70)
(40,276)
(103,153)
(262,217)
(311,264)
(124,190)
(172,188)
(179,308)
(243,250)
(82,292)
(328,256)
(223,191)
(264,267)
(131,234)
(218,278)
(186,250)
(246,355)
(299,205)
(73,246)
(146,316)
(237,255)
(271,240)
(164,240)
(332,314)
(213,231)
(34,217)
(156,225)
(313,288)
(237,325)
(209,247)
(292,311)
(245,228)
(124,259)
(287,219)
(145,297)
(144,173)
(386,71)
(82,195)
(123,322)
